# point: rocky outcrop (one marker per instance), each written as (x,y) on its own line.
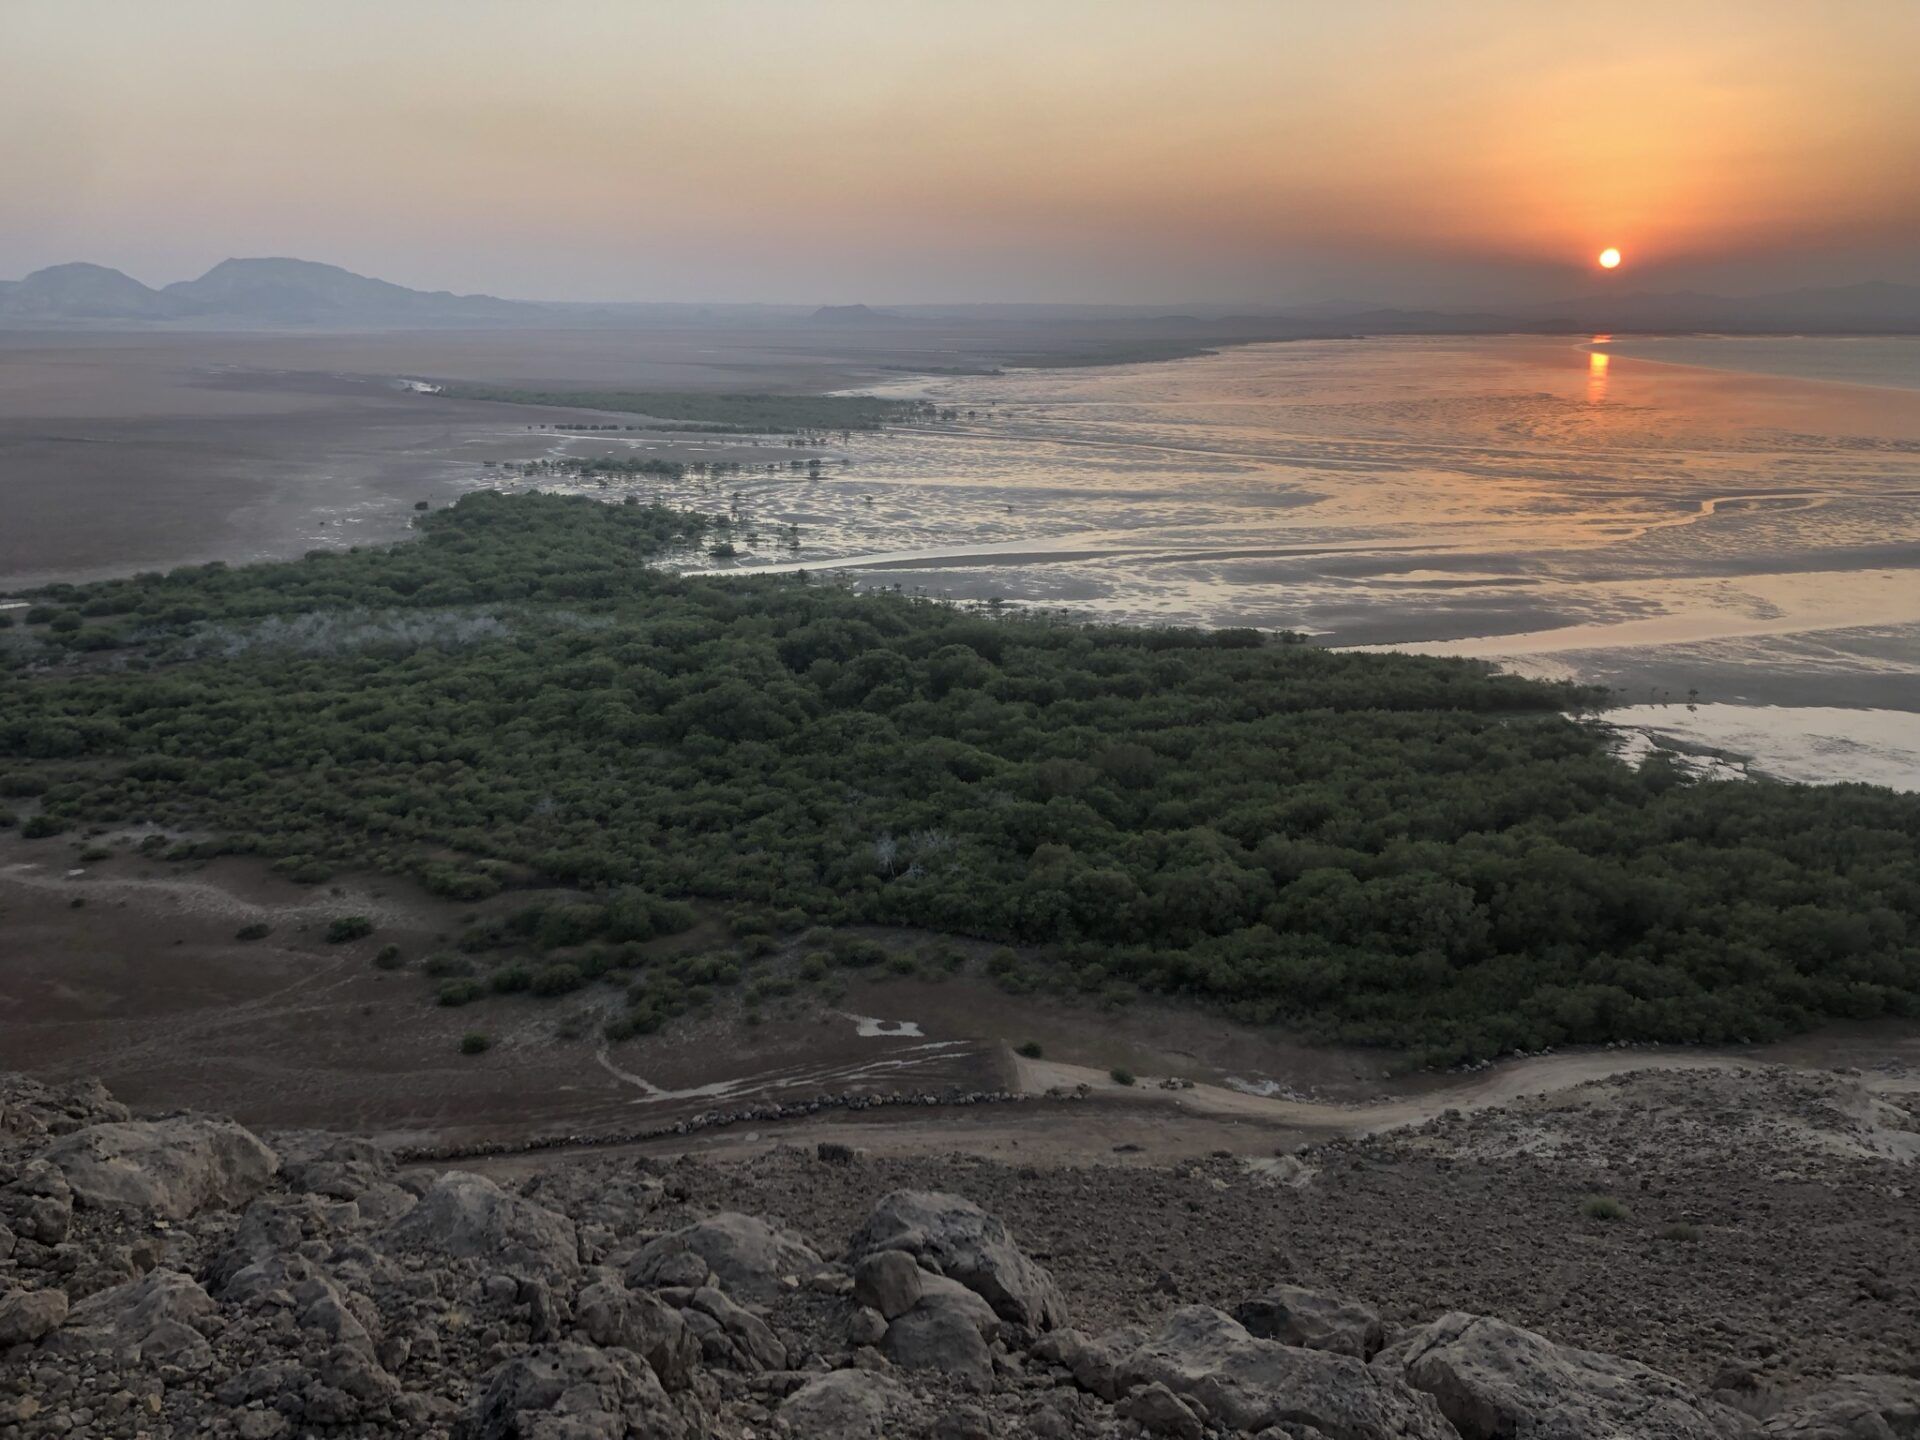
(571,1392)
(968,1245)
(1294,1315)
(26,1315)
(747,1256)
(845,1405)
(609,1314)
(1241,1384)
(1493,1380)
(1855,1407)
(173,1168)
(469,1217)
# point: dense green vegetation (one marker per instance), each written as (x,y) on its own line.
(719,414)
(1384,849)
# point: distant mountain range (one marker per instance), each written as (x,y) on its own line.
(302,294)
(269,292)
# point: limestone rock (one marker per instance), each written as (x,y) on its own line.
(26,1315)
(1295,1315)
(1492,1379)
(571,1392)
(845,1405)
(1239,1383)
(1854,1407)
(747,1256)
(889,1281)
(468,1216)
(968,1245)
(611,1314)
(173,1168)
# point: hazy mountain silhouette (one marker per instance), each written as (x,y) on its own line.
(263,292)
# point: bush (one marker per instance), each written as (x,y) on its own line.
(388,958)
(553,980)
(510,980)
(254,930)
(1030,1048)
(1603,1207)
(39,827)
(444,966)
(474,1043)
(348,927)
(1121,1075)
(459,992)
(1682,1232)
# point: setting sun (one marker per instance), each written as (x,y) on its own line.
(1609,258)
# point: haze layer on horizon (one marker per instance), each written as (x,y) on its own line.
(1452,151)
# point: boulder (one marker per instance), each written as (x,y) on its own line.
(26,1315)
(611,1314)
(173,1168)
(844,1405)
(948,1328)
(753,1342)
(968,1245)
(1094,1362)
(39,1203)
(155,1320)
(1854,1407)
(1295,1315)
(469,1217)
(1158,1411)
(1236,1382)
(1493,1380)
(889,1281)
(747,1256)
(571,1392)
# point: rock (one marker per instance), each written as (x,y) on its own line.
(1492,1379)
(845,1405)
(868,1327)
(155,1320)
(1158,1411)
(348,1387)
(571,1392)
(1237,1382)
(1093,1363)
(754,1342)
(1854,1407)
(889,1281)
(173,1168)
(468,1216)
(968,1245)
(26,1315)
(1294,1315)
(748,1257)
(39,1203)
(964,1422)
(611,1314)
(947,1330)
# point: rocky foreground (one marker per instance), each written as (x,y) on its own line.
(182,1276)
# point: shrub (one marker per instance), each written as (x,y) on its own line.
(1603,1207)
(348,927)
(459,992)
(39,827)
(444,966)
(253,930)
(474,1043)
(1681,1232)
(1031,1049)
(1121,1075)
(510,980)
(557,980)
(388,958)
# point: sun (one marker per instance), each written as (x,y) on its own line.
(1609,258)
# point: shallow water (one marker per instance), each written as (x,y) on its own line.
(1664,528)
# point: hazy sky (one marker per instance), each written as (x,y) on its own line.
(895,150)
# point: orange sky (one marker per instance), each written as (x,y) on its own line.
(921,149)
